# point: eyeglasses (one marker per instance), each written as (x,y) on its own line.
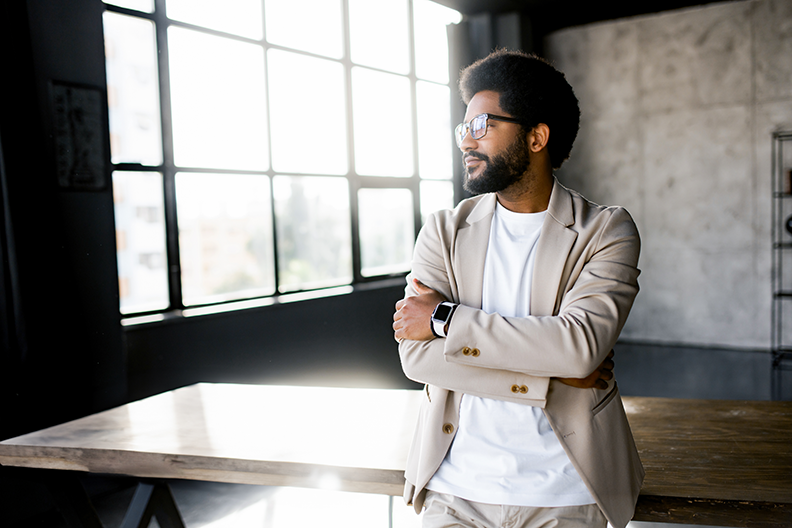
(477,126)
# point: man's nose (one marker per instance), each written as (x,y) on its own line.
(467,143)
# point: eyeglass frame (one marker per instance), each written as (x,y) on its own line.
(460,137)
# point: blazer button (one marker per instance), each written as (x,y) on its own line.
(475,352)
(523,389)
(515,388)
(448,428)
(466,351)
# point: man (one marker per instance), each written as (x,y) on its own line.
(514,301)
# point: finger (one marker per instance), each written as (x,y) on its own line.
(399,304)
(601,384)
(611,354)
(608,364)
(606,375)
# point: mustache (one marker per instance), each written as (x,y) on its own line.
(475,154)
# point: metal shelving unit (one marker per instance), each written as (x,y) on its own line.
(781,341)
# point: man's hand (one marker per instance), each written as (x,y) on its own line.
(412,319)
(597,379)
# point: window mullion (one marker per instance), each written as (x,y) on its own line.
(271,171)
(416,178)
(352,176)
(169,167)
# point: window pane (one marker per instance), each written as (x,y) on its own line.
(379,34)
(140,241)
(308,25)
(146,6)
(240,17)
(436,195)
(314,233)
(218,102)
(382,123)
(431,39)
(435,132)
(308,114)
(132,90)
(225,237)
(387,230)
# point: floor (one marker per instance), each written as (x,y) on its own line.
(217,505)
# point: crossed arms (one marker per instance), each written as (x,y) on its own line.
(573,346)
(411,322)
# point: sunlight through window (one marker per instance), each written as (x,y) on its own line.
(379,34)
(132,90)
(383,123)
(320,29)
(290,142)
(314,232)
(434,119)
(308,114)
(217,94)
(140,241)
(387,230)
(431,23)
(240,17)
(225,236)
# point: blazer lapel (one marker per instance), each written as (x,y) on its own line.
(471,251)
(552,250)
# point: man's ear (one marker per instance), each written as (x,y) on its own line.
(538,137)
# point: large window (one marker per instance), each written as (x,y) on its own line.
(267,148)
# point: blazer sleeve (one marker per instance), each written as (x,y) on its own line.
(427,361)
(573,342)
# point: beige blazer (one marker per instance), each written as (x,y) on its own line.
(584,284)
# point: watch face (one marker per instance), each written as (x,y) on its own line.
(441,312)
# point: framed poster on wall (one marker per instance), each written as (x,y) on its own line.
(78,133)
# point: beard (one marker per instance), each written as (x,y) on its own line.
(501,171)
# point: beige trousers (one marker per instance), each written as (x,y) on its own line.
(447,511)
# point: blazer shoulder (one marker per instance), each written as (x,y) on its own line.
(588,213)
(468,211)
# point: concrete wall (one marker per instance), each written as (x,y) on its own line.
(678,110)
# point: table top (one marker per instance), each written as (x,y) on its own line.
(339,438)
(718,449)
(708,451)
(714,462)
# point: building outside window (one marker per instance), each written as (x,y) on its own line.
(267,147)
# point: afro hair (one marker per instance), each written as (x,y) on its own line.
(531,90)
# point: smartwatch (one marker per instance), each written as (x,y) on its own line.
(441,317)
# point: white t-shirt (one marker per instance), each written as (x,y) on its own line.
(504,452)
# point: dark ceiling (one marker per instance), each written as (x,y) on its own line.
(549,15)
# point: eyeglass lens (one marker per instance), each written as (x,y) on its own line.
(477,127)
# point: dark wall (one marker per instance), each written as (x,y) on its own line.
(65,355)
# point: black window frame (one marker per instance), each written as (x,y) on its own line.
(168,168)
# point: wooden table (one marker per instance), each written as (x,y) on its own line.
(708,462)
(716,462)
